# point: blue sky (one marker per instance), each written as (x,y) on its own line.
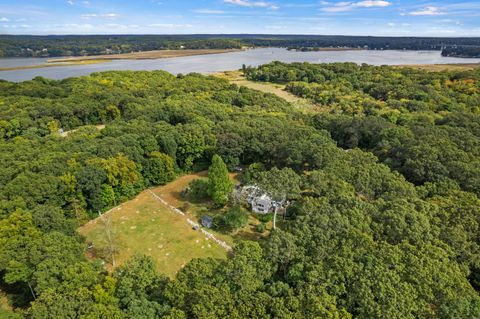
(372,17)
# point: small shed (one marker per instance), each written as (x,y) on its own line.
(206,221)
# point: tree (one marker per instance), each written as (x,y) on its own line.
(280,185)
(110,240)
(159,169)
(219,184)
(17,236)
(235,218)
(138,288)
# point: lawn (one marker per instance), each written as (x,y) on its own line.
(146,226)
(237,78)
(443,67)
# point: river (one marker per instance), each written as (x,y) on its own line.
(225,61)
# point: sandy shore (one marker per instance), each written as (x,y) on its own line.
(145,55)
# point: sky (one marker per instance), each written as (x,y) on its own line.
(373,17)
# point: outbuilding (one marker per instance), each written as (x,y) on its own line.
(206,221)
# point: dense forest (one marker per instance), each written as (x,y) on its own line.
(384,179)
(79,45)
(462,51)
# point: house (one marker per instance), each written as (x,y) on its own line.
(259,201)
(262,204)
(206,221)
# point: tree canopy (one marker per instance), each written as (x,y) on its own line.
(383,180)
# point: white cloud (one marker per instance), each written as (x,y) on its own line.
(427,11)
(3,19)
(257,4)
(347,6)
(369,4)
(70,2)
(109,16)
(208,11)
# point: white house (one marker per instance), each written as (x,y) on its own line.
(262,204)
(259,201)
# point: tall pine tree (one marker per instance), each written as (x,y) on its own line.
(219,184)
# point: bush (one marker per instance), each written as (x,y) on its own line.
(264,218)
(235,218)
(197,190)
(260,228)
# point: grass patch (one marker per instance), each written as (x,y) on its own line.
(146,226)
(236,77)
(443,67)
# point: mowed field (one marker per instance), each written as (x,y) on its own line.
(443,67)
(236,77)
(146,226)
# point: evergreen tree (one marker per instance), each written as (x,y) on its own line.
(219,184)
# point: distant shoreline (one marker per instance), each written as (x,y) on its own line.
(56,64)
(144,55)
(95,59)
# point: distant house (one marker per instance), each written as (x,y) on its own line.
(206,221)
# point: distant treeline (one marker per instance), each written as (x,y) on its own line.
(75,45)
(462,51)
(78,45)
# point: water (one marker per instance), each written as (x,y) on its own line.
(227,61)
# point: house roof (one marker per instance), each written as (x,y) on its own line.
(207,219)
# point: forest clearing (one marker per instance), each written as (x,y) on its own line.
(146,226)
(236,77)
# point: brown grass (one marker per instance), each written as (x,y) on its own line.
(66,133)
(237,78)
(4,304)
(145,55)
(443,67)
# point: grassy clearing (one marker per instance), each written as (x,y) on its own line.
(171,194)
(4,305)
(237,78)
(443,67)
(145,226)
(145,55)
(66,133)
(6,310)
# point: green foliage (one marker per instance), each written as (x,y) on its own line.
(198,190)
(261,228)
(235,218)
(384,225)
(159,169)
(219,184)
